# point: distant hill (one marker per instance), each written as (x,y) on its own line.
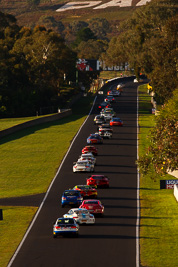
(68,11)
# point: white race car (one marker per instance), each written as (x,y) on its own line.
(80,216)
(108,115)
(105,134)
(83,166)
(65,226)
(88,156)
(114,93)
(99,119)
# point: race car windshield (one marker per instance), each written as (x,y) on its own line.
(65,221)
(98,178)
(81,163)
(83,187)
(81,212)
(71,194)
(95,136)
(91,202)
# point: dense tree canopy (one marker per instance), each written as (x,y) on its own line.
(78,32)
(83,35)
(71,30)
(100,27)
(32,68)
(50,23)
(92,49)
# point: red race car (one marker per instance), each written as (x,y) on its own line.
(91,149)
(98,181)
(109,99)
(104,105)
(116,122)
(93,206)
(86,191)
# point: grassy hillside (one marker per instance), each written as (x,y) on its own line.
(27,16)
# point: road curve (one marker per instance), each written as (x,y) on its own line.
(111,241)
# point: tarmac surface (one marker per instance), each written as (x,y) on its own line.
(111,241)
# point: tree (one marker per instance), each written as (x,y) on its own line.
(84,34)
(162,151)
(76,26)
(32,67)
(49,58)
(100,27)
(6,20)
(92,49)
(49,22)
(71,30)
(116,53)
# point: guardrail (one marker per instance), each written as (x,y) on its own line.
(176,191)
(19,127)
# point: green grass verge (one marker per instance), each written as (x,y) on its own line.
(159,213)
(30,158)
(12,229)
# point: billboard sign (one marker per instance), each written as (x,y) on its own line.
(88,64)
(97,65)
(168,184)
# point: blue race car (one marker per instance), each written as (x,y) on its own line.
(65,226)
(71,197)
(94,139)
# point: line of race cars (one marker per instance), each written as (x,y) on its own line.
(83,198)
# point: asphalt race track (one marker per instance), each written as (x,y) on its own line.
(111,241)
